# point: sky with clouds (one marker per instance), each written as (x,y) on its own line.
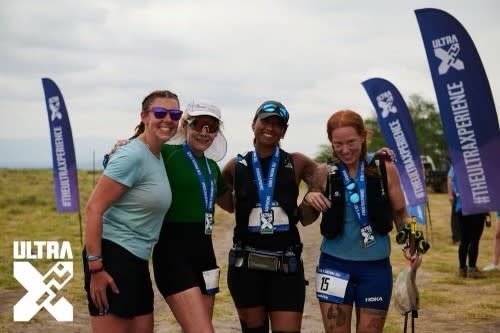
(312,55)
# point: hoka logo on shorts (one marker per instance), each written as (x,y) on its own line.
(447,49)
(55,106)
(385,102)
(374,299)
(43,291)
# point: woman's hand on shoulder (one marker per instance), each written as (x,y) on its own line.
(118,144)
(386,154)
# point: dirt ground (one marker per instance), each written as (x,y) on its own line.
(225,321)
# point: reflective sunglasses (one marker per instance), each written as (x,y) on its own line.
(271,107)
(199,125)
(160,113)
(352,189)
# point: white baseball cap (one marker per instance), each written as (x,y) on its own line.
(218,148)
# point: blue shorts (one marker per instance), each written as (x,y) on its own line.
(370,282)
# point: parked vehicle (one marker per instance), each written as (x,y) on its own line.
(435,179)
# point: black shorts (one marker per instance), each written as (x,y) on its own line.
(276,291)
(131,275)
(180,258)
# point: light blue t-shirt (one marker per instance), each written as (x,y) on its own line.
(348,244)
(134,220)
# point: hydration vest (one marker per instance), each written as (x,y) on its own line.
(286,192)
(379,206)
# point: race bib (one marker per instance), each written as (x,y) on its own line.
(331,285)
(280,219)
(211,279)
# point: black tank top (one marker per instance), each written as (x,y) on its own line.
(286,193)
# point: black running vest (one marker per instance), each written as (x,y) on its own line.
(379,206)
(286,192)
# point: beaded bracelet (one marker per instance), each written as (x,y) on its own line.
(94,258)
(96,270)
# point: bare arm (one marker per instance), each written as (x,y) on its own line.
(226,200)
(228,173)
(106,192)
(314,201)
(304,168)
(450,188)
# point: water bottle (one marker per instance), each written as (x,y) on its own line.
(236,256)
(290,262)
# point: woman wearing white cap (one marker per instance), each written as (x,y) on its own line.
(185,267)
(265,273)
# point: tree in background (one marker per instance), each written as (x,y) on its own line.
(428,128)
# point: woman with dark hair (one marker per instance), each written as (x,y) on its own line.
(265,273)
(471,229)
(184,262)
(123,218)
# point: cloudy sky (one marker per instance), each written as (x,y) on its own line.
(106,55)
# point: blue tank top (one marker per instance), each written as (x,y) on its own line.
(348,244)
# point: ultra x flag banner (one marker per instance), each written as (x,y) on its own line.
(64,169)
(397,127)
(466,107)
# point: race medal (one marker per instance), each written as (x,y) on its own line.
(207,187)
(265,191)
(266,222)
(331,285)
(209,221)
(367,236)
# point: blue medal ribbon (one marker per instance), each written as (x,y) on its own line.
(208,195)
(360,207)
(266,191)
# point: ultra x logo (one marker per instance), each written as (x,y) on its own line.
(385,102)
(55,106)
(449,57)
(43,289)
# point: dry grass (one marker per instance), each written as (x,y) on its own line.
(448,303)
